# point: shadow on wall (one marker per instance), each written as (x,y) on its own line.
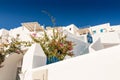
(97,45)
(9,70)
(80,47)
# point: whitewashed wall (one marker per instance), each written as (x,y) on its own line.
(72,29)
(4,32)
(97,28)
(33,58)
(97,45)
(115,28)
(83,38)
(110,37)
(9,70)
(22,31)
(81,47)
(102,65)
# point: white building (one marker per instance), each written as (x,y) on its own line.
(100,28)
(26,30)
(24,34)
(72,29)
(102,62)
(115,28)
(4,34)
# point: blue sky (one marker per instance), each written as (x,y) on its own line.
(78,12)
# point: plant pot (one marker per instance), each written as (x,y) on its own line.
(52,59)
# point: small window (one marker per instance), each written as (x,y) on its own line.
(101,30)
(69,28)
(94,31)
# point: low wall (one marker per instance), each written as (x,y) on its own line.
(81,47)
(97,45)
(111,38)
(102,65)
(9,70)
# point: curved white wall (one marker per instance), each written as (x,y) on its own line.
(102,65)
(8,72)
(97,45)
(80,47)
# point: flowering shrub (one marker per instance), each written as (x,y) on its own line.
(15,46)
(55,47)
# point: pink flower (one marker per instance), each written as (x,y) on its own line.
(17,51)
(34,34)
(70,48)
(61,44)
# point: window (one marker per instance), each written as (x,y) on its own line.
(94,31)
(101,30)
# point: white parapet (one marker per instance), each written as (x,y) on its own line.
(80,47)
(102,65)
(33,58)
(97,45)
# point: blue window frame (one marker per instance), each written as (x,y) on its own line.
(101,30)
(94,31)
